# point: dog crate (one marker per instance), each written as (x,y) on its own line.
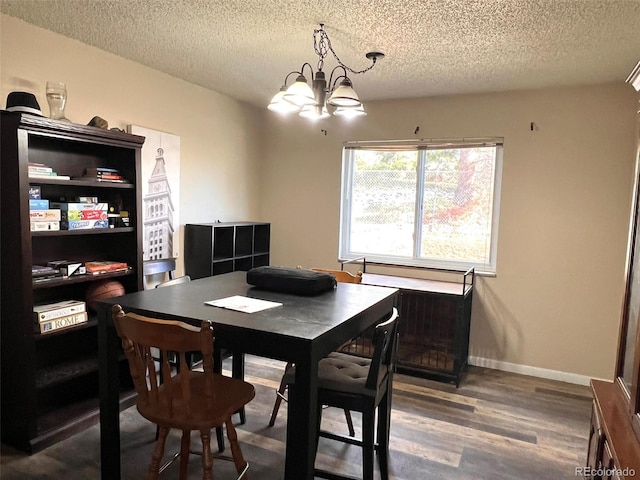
(435,319)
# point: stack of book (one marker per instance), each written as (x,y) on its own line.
(40,170)
(105,266)
(41,273)
(41,216)
(103,174)
(56,316)
(83,215)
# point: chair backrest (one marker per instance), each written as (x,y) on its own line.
(139,334)
(342,275)
(175,281)
(385,341)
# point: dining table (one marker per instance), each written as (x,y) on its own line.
(301,329)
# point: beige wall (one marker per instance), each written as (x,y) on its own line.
(566,191)
(554,303)
(219,137)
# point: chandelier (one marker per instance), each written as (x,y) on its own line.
(312,101)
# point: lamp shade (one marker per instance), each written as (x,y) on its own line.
(344,95)
(279,104)
(300,93)
(350,112)
(314,112)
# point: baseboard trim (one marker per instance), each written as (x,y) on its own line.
(531,371)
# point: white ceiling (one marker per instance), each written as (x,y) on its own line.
(245,48)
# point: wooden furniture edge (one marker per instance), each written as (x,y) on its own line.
(614,418)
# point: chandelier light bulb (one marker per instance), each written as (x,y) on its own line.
(350,112)
(314,112)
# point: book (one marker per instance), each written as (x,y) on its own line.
(93,171)
(84,224)
(62,322)
(34,192)
(49,177)
(80,206)
(39,169)
(68,268)
(84,215)
(105,176)
(100,179)
(105,266)
(51,311)
(43,226)
(42,270)
(49,215)
(38,204)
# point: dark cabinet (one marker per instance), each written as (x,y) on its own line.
(50,381)
(614,441)
(223,247)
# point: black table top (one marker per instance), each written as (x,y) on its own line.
(300,319)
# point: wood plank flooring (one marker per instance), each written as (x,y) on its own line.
(495,426)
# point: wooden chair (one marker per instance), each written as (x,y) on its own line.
(363,385)
(189,400)
(219,355)
(341,276)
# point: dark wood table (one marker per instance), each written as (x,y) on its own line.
(302,330)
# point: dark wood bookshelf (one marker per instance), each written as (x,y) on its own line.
(50,381)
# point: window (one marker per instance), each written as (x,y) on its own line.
(429,204)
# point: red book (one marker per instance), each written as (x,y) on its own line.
(104,266)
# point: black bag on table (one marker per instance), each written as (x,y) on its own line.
(298,281)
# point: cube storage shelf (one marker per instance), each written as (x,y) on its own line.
(50,381)
(223,247)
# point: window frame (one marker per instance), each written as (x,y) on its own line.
(421,147)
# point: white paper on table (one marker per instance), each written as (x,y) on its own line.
(243,304)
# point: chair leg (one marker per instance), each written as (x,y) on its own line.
(279,397)
(185,445)
(207,458)
(347,415)
(237,371)
(238,459)
(368,428)
(384,429)
(158,453)
(220,439)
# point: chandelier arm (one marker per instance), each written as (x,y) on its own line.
(306,64)
(332,82)
(286,79)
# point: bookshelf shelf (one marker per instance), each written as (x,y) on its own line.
(56,282)
(91,323)
(91,231)
(50,381)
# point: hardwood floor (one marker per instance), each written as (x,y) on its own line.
(496,425)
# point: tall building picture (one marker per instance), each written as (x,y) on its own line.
(158,213)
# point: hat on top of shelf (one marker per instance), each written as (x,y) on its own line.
(23,102)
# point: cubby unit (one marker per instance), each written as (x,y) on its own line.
(223,247)
(50,380)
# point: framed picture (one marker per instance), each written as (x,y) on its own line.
(160,193)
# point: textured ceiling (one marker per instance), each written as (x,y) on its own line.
(244,48)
